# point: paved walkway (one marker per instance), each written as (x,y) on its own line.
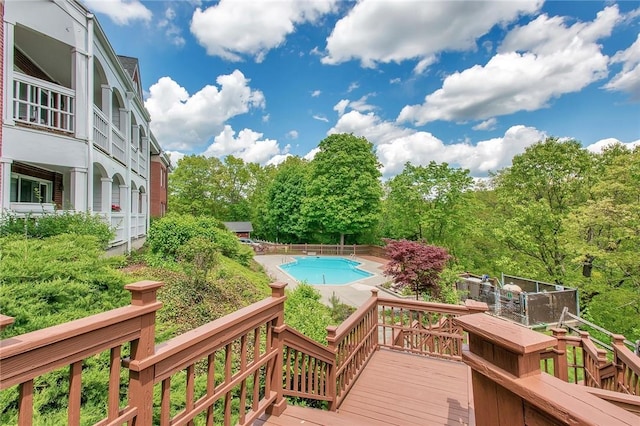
(354,294)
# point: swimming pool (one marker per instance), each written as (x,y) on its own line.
(324,270)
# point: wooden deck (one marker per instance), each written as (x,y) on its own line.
(396,389)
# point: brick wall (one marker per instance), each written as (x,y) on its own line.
(158,189)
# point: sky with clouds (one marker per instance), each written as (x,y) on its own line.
(470,83)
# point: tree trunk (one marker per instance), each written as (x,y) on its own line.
(341,243)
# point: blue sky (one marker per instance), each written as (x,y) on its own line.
(467,82)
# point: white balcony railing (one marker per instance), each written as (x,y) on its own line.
(117,145)
(134,158)
(142,224)
(117,223)
(143,165)
(100,129)
(43,104)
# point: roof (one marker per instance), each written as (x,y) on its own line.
(239,226)
(129,64)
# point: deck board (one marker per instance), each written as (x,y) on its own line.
(395,389)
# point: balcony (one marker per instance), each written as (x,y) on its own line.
(391,362)
(42,104)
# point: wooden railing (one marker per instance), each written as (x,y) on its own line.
(29,356)
(511,389)
(324,249)
(576,359)
(239,366)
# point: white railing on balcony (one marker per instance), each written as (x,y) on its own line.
(42,104)
(117,223)
(134,158)
(100,129)
(142,224)
(117,145)
(143,165)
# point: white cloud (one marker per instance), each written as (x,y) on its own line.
(183,121)
(320,118)
(423,64)
(488,155)
(628,79)
(121,12)
(316,93)
(248,145)
(353,86)
(370,126)
(171,30)
(358,105)
(395,80)
(175,156)
(277,159)
(231,28)
(409,30)
(599,146)
(292,134)
(489,124)
(265,118)
(396,145)
(536,63)
(309,156)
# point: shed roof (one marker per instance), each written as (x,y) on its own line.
(239,226)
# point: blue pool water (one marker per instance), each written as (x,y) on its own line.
(324,270)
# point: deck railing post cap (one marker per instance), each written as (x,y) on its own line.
(618,339)
(277,289)
(5,321)
(331,333)
(143,292)
(374,292)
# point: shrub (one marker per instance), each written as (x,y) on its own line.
(304,312)
(51,224)
(168,234)
(199,255)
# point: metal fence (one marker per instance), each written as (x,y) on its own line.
(538,303)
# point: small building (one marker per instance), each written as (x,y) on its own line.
(241,229)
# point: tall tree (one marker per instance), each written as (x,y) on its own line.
(535,195)
(284,220)
(344,188)
(416,265)
(190,188)
(431,202)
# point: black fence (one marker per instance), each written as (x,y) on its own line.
(528,302)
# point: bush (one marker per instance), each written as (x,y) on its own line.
(304,312)
(51,224)
(168,234)
(49,281)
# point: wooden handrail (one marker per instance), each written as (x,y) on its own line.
(628,366)
(506,378)
(293,338)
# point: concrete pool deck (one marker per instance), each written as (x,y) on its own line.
(354,294)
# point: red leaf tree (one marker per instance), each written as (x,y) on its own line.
(415,265)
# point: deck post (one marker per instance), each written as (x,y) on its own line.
(141,382)
(560,368)
(332,385)
(280,403)
(374,319)
(512,349)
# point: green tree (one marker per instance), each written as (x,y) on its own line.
(190,186)
(344,188)
(284,220)
(431,202)
(535,195)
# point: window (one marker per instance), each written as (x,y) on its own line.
(28,189)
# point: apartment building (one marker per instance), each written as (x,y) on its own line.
(75,132)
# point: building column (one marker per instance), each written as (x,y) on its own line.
(78,195)
(125,203)
(106,193)
(79,82)
(107,99)
(5,191)
(8,72)
(144,209)
(135,194)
